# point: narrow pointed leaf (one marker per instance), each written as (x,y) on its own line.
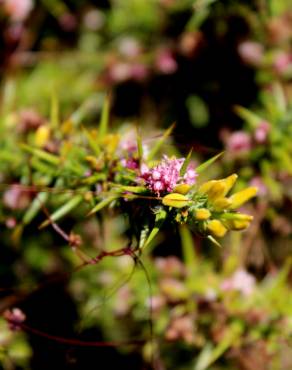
(42,154)
(186,163)
(159,220)
(55,111)
(63,210)
(105,202)
(214,241)
(92,142)
(208,163)
(139,145)
(250,117)
(160,142)
(103,125)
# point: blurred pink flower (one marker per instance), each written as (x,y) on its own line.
(18,10)
(241,281)
(166,175)
(181,327)
(14,318)
(129,47)
(261,132)
(120,72)
(251,52)
(238,142)
(282,61)
(16,198)
(68,22)
(94,19)
(165,62)
(139,72)
(257,181)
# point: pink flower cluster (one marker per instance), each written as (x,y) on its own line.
(18,10)
(241,281)
(166,175)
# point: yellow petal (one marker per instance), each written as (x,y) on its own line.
(216,228)
(229,182)
(236,224)
(204,188)
(42,136)
(175,200)
(224,184)
(220,204)
(242,197)
(182,189)
(202,214)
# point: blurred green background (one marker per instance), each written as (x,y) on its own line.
(222,71)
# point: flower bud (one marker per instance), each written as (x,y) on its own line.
(175,200)
(236,225)
(216,228)
(202,214)
(220,204)
(242,197)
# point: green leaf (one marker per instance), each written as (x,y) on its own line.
(94,145)
(189,253)
(214,241)
(248,116)
(105,202)
(131,189)
(63,210)
(186,163)
(55,110)
(160,142)
(208,163)
(35,207)
(210,354)
(159,220)
(48,157)
(139,146)
(103,125)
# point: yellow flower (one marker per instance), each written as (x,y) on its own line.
(202,214)
(42,136)
(216,228)
(216,189)
(242,197)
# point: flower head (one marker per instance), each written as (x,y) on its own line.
(166,175)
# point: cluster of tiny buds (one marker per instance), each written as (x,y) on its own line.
(166,175)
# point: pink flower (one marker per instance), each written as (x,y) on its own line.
(15,318)
(166,175)
(238,142)
(120,72)
(241,281)
(261,132)
(251,52)
(257,181)
(139,72)
(16,198)
(18,10)
(129,47)
(282,62)
(165,62)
